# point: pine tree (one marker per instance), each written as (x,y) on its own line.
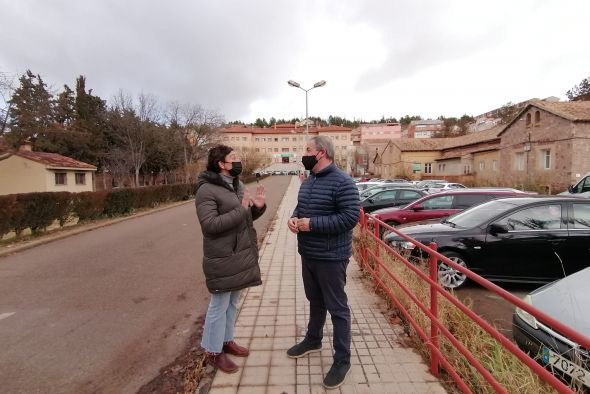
(31,111)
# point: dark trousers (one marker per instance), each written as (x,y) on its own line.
(324,288)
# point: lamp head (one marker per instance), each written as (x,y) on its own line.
(293,83)
(319,84)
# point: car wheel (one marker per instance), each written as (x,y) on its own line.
(384,231)
(449,277)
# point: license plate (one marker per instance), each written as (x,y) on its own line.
(566,366)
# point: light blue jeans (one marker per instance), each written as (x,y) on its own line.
(220,320)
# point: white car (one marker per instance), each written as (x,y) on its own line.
(580,189)
(439,187)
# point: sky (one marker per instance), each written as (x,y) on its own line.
(378,58)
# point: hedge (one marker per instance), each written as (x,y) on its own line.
(37,211)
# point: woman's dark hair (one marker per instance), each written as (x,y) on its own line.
(217,154)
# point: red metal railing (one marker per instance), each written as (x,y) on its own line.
(437,327)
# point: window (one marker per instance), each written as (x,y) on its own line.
(582,216)
(467,169)
(495,165)
(537,118)
(441,167)
(284,149)
(294,139)
(61,178)
(482,165)
(442,202)
(233,138)
(408,195)
(284,139)
(428,168)
(544,217)
(257,149)
(386,195)
(469,200)
(519,161)
(294,149)
(546,159)
(344,137)
(276,139)
(583,185)
(257,139)
(244,138)
(337,137)
(80,178)
(528,120)
(226,138)
(276,149)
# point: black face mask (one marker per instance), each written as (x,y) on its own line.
(236,168)
(309,162)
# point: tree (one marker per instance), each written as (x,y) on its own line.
(406,120)
(31,110)
(507,112)
(199,128)
(580,92)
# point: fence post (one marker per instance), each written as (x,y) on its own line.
(364,246)
(434,362)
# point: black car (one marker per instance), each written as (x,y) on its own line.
(524,239)
(391,198)
(567,301)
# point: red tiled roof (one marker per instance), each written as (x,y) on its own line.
(54,160)
(282,129)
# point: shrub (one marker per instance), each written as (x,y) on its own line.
(119,202)
(37,211)
(7,207)
(89,205)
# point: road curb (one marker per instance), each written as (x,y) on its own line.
(45,239)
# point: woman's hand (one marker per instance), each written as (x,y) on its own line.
(260,199)
(246,200)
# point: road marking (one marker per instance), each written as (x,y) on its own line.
(5,315)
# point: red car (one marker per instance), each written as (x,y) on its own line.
(442,204)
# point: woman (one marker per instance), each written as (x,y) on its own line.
(230,252)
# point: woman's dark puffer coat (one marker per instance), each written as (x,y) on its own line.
(230,250)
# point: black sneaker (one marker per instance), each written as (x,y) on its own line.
(336,374)
(302,348)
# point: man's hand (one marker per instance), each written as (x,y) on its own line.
(292,223)
(246,200)
(303,224)
(260,198)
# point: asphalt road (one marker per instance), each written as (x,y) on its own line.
(103,311)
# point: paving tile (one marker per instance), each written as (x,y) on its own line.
(273,317)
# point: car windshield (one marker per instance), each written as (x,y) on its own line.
(480,214)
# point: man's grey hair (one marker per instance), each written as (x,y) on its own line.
(324,143)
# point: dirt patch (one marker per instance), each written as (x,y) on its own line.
(186,372)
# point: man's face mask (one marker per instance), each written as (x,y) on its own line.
(309,162)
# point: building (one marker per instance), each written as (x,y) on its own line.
(546,147)
(424,128)
(285,143)
(27,171)
(380,131)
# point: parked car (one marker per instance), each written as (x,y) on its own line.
(362,186)
(391,198)
(566,300)
(522,239)
(385,186)
(426,182)
(441,205)
(439,187)
(580,189)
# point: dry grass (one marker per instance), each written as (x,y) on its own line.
(506,368)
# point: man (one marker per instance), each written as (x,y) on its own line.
(327,210)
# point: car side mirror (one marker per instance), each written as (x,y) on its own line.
(570,189)
(496,228)
(418,207)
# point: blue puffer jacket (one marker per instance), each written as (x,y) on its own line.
(331,200)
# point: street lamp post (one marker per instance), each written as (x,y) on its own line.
(315,85)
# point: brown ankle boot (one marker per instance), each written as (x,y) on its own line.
(233,348)
(222,362)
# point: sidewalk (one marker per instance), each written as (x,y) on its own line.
(273,317)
